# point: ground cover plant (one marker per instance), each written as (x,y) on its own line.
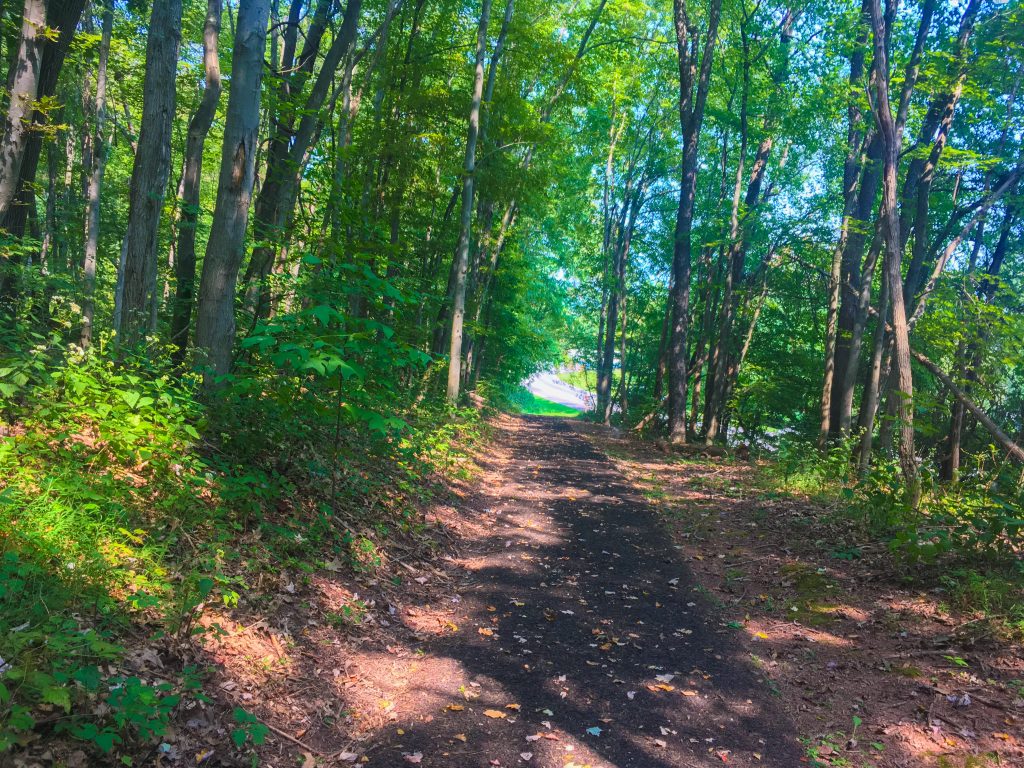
(271,271)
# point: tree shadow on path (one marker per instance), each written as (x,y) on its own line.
(593,628)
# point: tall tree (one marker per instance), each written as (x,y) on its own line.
(890,130)
(694,83)
(150,172)
(215,316)
(26,65)
(191,182)
(99,157)
(466,217)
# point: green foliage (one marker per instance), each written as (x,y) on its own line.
(970,532)
(182,503)
(249,730)
(800,467)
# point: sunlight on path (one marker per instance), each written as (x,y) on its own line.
(577,636)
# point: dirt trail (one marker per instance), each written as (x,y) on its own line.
(575,619)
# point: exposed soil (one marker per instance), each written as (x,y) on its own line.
(582,610)
(841,628)
(569,631)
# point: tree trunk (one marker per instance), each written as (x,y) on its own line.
(616,304)
(852,273)
(191,182)
(692,100)
(290,148)
(99,157)
(890,130)
(950,466)
(215,312)
(24,90)
(851,175)
(1005,442)
(466,219)
(151,170)
(721,382)
(63,17)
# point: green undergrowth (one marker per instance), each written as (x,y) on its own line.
(128,501)
(965,540)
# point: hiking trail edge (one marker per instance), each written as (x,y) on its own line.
(578,636)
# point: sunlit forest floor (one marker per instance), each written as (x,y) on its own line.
(576,597)
(601,603)
(877,661)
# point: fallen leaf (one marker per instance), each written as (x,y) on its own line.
(533,737)
(514,707)
(414,757)
(347,757)
(630,695)
(660,743)
(527,756)
(485,631)
(461,737)
(497,714)
(664,678)
(455,707)
(689,693)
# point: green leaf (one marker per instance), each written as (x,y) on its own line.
(89,677)
(106,740)
(130,397)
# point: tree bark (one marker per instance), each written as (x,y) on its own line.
(720,382)
(851,175)
(191,182)
(466,218)
(99,157)
(215,313)
(23,82)
(693,91)
(151,170)
(62,16)
(1005,442)
(890,130)
(290,148)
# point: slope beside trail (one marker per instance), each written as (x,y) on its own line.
(576,636)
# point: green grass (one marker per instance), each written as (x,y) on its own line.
(528,404)
(587,379)
(582,379)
